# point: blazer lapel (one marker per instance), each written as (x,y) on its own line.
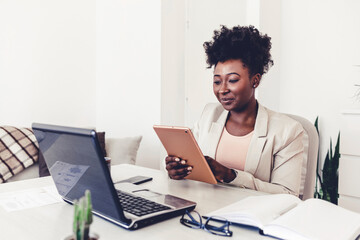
(258,141)
(215,132)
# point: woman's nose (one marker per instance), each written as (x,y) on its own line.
(223,89)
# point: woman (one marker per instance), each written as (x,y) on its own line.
(244,143)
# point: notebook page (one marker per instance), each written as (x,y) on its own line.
(317,219)
(257,210)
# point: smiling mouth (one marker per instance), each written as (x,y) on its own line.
(226,101)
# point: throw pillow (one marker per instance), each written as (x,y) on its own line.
(123,150)
(18,150)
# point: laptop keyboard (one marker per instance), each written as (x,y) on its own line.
(139,206)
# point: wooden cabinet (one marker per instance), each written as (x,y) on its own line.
(349,165)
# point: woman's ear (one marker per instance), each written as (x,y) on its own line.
(255,80)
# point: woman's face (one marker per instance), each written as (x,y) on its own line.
(232,85)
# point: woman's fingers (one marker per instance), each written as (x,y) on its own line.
(177,168)
(212,163)
(174,162)
(169,159)
(218,170)
(179,173)
(221,173)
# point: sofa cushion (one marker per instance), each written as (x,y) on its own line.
(123,150)
(18,150)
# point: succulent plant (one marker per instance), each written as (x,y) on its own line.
(82,217)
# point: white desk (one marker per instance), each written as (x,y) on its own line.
(55,221)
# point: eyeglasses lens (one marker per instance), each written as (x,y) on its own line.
(218,226)
(191,220)
(215,225)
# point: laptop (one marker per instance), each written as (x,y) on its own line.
(76,163)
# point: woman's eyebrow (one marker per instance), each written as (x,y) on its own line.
(233,73)
(218,75)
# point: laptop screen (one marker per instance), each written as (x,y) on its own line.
(76,163)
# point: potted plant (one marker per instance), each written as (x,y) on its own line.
(83,219)
(330,177)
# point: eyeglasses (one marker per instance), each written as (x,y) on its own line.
(215,225)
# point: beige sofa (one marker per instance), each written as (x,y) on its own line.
(120,150)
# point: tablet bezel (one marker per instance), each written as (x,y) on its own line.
(180,142)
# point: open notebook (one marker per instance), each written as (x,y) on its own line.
(287,217)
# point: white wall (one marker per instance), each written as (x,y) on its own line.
(173,25)
(270,23)
(47,62)
(128,72)
(316,62)
(123,66)
(83,63)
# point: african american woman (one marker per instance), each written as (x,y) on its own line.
(244,143)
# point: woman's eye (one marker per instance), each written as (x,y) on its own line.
(233,80)
(217,82)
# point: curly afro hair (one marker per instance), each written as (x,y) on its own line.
(244,43)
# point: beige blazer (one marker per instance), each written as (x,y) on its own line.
(275,155)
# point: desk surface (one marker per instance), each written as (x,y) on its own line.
(55,221)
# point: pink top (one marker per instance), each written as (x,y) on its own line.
(232,150)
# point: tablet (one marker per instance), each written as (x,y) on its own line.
(180,142)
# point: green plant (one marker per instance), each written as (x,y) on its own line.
(330,177)
(82,217)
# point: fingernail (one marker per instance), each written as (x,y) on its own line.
(183,161)
(188,172)
(177,159)
(189,168)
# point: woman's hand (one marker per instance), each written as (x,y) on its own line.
(177,168)
(221,173)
